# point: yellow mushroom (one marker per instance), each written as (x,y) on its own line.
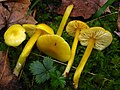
(34,32)
(29,29)
(54,45)
(95,37)
(14,35)
(64,19)
(73,29)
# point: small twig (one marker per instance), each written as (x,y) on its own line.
(117,33)
(34,13)
(4,66)
(101,17)
(54,60)
(73,67)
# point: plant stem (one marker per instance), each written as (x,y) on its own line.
(64,19)
(73,51)
(26,51)
(83,62)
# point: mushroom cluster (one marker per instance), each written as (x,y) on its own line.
(54,45)
(74,28)
(94,37)
(15,35)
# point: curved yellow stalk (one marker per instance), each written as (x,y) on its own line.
(26,52)
(74,46)
(83,62)
(64,19)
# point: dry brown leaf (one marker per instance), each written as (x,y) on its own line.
(12,12)
(5,74)
(84,8)
(4,14)
(7,80)
(118,21)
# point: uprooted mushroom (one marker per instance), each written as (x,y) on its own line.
(38,30)
(74,28)
(54,45)
(95,37)
(14,35)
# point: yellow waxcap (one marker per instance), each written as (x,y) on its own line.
(31,28)
(73,25)
(102,37)
(14,35)
(54,46)
(45,28)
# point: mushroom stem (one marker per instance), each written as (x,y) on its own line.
(26,52)
(83,62)
(74,46)
(64,19)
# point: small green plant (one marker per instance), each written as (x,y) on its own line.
(46,71)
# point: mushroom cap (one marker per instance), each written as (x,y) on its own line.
(74,25)
(103,38)
(29,28)
(14,35)
(45,28)
(54,46)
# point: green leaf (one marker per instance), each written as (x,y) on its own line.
(37,68)
(42,71)
(102,9)
(57,80)
(48,63)
(33,5)
(41,78)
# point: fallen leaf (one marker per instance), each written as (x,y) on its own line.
(84,8)
(12,12)
(118,21)
(7,80)
(4,14)
(5,74)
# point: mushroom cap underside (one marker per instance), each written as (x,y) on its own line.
(74,25)
(14,35)
(54,46)
(102,37)
(31,28)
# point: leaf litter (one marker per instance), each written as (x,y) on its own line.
(12,12)
(118,22)
(7,80)
(83,8)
